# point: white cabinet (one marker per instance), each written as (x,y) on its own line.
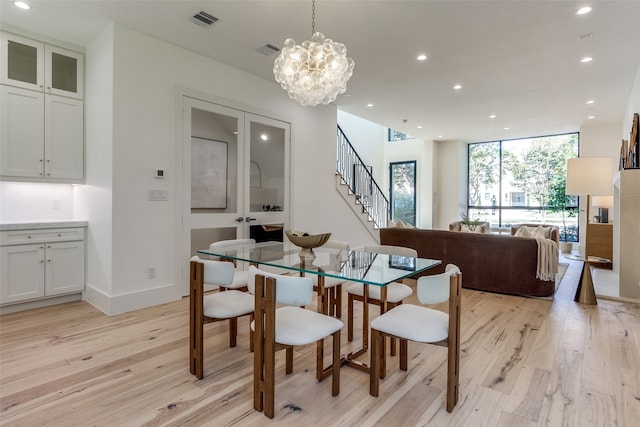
(42,136)
(41,263)
(41,112)
(31,64)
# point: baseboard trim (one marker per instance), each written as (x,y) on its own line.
(117,304)
(46,302)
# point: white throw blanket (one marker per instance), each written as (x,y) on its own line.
(547,259)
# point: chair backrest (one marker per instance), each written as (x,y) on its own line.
(216,272)
(290,290)
(337,244)
(391,250)
(434,289)
(221,244)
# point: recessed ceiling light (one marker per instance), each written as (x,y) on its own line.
(22,5)
(264,137)
(493,116)
(506,128)
(440,136)
(583,10)
(235,132)
(586,59)
(591,101)
(369,105)
(591,117)
(421,57)
(457,87)
(419,127)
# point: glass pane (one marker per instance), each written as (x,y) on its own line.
(214,160)
(484,174)
(64,72)
(22,62)
(201,238)
(403,192)
(266,167)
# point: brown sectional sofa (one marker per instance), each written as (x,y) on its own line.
(489,262)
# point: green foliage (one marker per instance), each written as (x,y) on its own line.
(471,223)
(542,169)
(483,168)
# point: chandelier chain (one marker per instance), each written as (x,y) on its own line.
(313,17)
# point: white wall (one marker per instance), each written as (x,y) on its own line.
(368,139)
(451,182)
(122,152)
(45,201)
(422,153)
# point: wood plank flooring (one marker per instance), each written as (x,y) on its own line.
(524,362)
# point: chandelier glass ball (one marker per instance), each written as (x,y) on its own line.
(315,72)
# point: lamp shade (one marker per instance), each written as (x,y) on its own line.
(589,176)
(602,201)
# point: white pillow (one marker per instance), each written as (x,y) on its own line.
(466,229)
(523,231)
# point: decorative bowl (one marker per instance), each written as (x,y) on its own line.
(307,241)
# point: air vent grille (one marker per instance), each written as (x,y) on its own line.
(268,49)
(204,19)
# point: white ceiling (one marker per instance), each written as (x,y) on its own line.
(516,59)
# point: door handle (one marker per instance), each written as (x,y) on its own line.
(249,219)
(240,219)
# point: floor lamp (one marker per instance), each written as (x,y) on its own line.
(588,176)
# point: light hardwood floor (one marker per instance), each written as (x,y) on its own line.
(524,362)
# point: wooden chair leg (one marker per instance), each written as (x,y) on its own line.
(289,360)
(350,318)
(319,359)
(374,364)
(233,331)
(335,385)
(338,290)
(403,354)
(196,321)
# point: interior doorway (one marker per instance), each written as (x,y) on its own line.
(235,169)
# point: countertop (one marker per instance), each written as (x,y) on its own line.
(41,224)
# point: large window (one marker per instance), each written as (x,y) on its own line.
(403,191)
(523,181)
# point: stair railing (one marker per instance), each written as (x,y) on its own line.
(358,177)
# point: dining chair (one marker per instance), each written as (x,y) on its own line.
(409,322)
(240,277)
(285,327)
(396,292)
(332,285)
(214,307)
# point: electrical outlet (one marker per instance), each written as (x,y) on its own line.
(151,273)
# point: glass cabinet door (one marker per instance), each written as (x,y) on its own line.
(22,62)
(64,71)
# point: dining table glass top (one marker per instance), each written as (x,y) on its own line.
(353,265)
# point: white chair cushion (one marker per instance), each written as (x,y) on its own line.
(396,292)
(298,326)
(415,323)
(240,279)
(227,304)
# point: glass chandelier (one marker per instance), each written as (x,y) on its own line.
(315,72)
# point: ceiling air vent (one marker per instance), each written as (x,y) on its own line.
(268,49)
(204,19)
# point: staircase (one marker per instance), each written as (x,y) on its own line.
(356,185)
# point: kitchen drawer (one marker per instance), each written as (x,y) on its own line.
(18,237)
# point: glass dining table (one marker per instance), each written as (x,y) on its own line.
(356,266)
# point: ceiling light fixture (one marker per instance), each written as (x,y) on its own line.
(586,59)
(315,72)
(591,117)
(591,101)
(506,128)
(419,127)
(22,5)
(457,87)
(369,105)
(421,57)
(493,116)
(583,10)
(264,137)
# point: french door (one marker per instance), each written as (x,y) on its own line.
(235,176)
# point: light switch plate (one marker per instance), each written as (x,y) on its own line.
(159,195)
